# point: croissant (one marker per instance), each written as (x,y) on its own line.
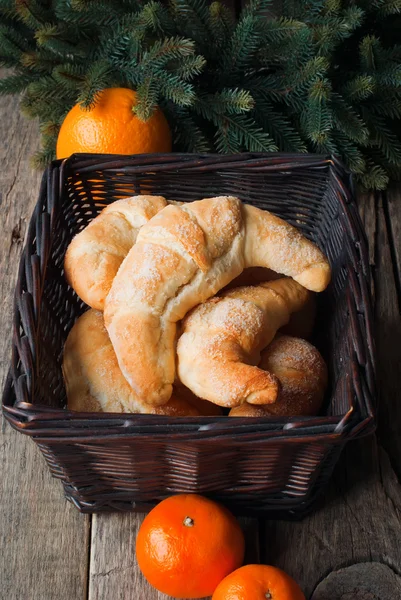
(96,253)
(94,382)
(302,373)
(182,257)
(222,339)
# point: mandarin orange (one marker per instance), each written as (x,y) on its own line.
(258,582)
(112,127)
(187,544)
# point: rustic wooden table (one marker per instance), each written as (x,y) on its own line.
(350,548)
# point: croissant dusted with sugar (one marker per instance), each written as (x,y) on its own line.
(182,257)
(222,340)
(302,373)
(94,382)
(96,253)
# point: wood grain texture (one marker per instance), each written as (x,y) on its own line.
(43,540)
(364,581)
(393,215)
(114,571)
(359,516)
(388,322)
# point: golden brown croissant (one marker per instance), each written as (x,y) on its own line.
(96,253)
(222,339)
(302,373)
(94,382)
(182,257)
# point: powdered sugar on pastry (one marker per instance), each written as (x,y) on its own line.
(206,245)
(302,373)
(94,382)
(96,253)
(221,342)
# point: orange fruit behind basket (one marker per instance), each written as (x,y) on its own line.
(258,582)
(187,544)
(111,127)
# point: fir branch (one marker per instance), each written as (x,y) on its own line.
(175,89)
(32,12)
(187,134)
(164,51)
(193,16)
(374,177)
(98,77)
(239,132)
(35,103)
(121,44)
(313,70)
(70,76)
(280,29)
(221,24)
(52,37)
(39,60)
(156,17)
(332,7)
(12,45)
(369,47)
(147,98)
(14,84)
(188,67)
(90,19)
(50,129)
(242,47)
(383,137)
(390,7)
(42,158)
(316,119)
(258,8)
(359,87)
(277,125)
(347,120)
(329,31)
(233,101)
(390,108)
(389,76)
(349,152)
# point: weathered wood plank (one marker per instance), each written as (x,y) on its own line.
(43,540)
(393,213)
(114,571)
(358,521)
(388,321)
(388,328)
(359,518)
(364,581)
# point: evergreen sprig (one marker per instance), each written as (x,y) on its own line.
(323,75)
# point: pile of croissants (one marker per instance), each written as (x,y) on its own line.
(188,313)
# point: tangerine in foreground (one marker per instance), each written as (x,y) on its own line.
(258,582)
(187,544)
(112,127)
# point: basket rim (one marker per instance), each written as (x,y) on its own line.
(35,420)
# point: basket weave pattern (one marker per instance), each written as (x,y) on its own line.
(129,462)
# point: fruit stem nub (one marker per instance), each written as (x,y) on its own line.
(188,522)
(268,595)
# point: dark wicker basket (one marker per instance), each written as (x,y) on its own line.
(129,462)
